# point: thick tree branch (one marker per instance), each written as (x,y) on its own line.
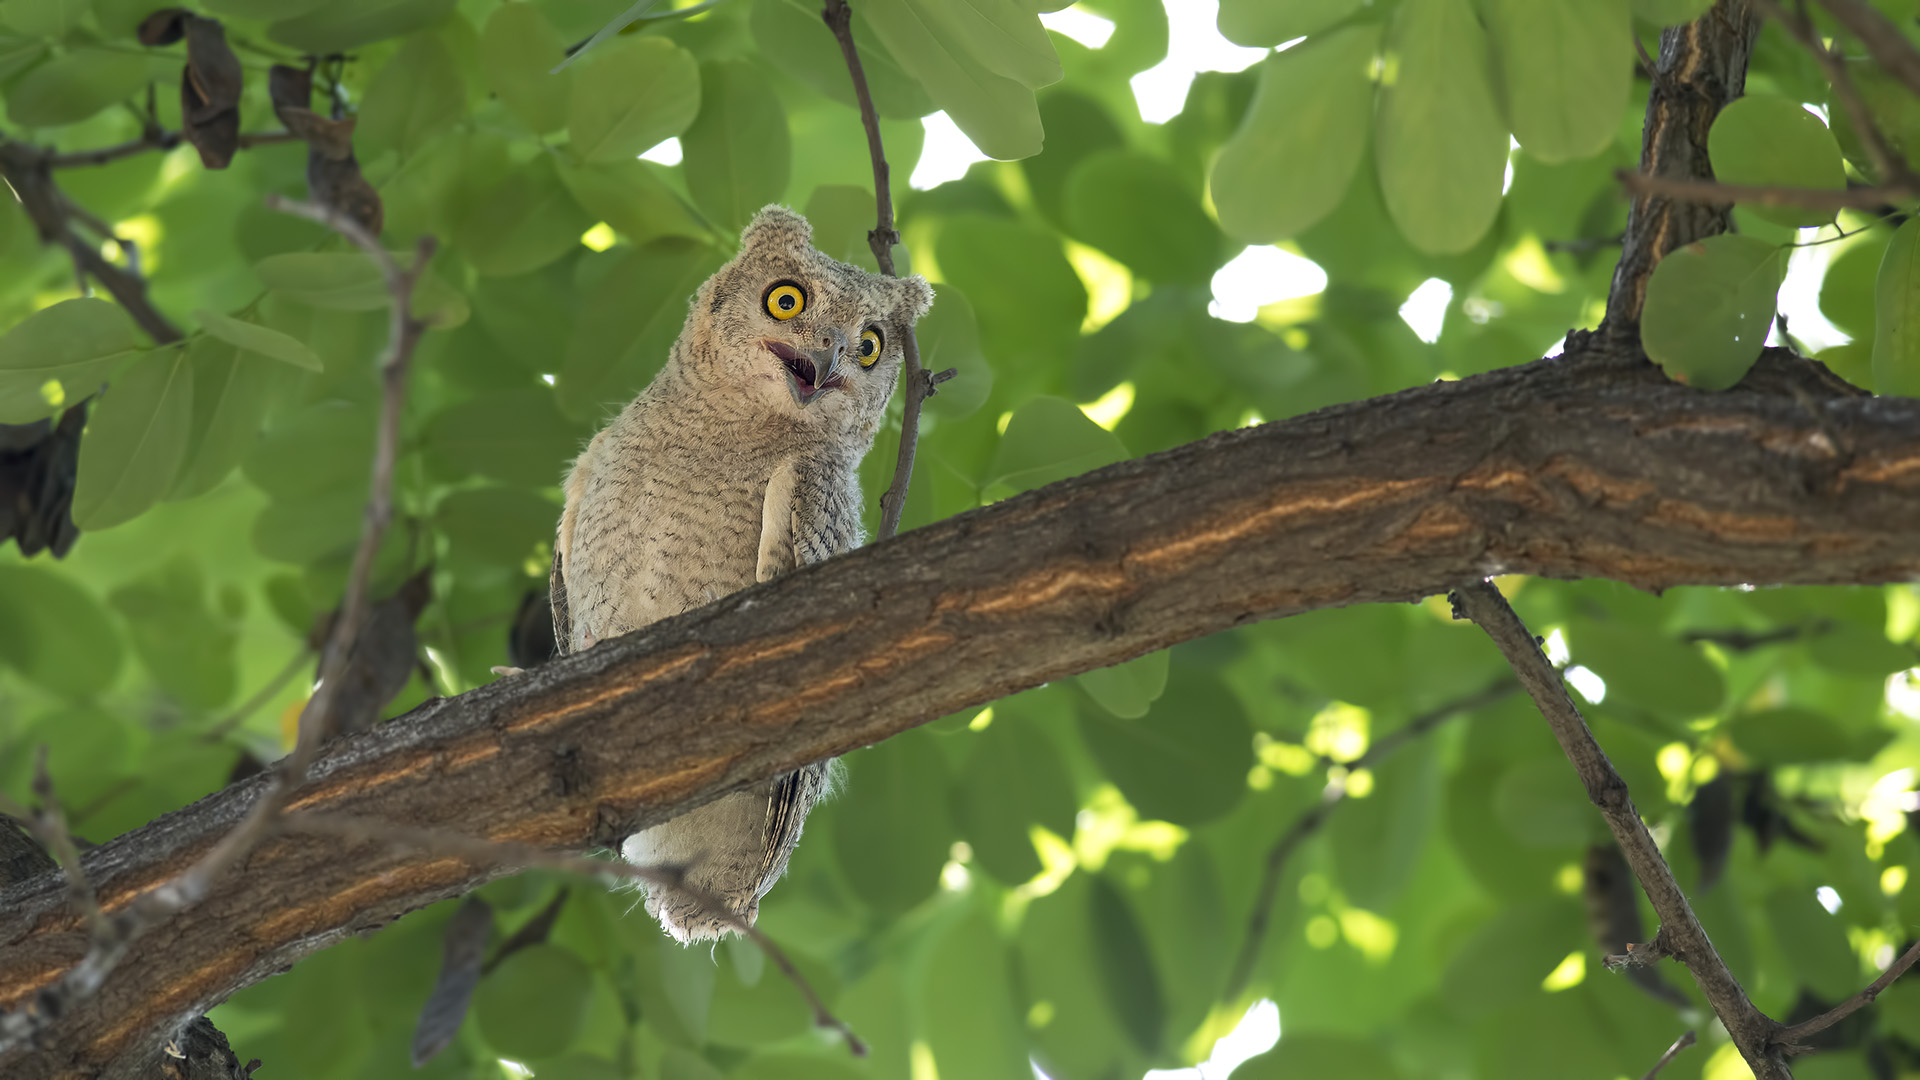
(1310,822)
(1702,67)
(839,19)
(1587,465)
(1680,931)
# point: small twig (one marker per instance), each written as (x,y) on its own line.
(1884,41)
(154,139)
(839,19)
(1713,193)
(49,825)
(1673,1051)
(1680,930)
(1852,1005)
(1654,74)
(526,856)
(1643,954)
(1887,162)
(1311,821)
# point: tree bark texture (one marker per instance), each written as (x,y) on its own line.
(1587,465)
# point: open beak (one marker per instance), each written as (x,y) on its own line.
(810,373)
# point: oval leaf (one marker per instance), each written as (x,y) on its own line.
(1295,152)
(254,338)
(72,87)
(1136,209)
(1266,23)
(416,95)
(1441,144)
(533,1005)
(738,153)
(135,440)
(1709,307)
(996,112)
(1896,321)
(74,342)
(1567,72)
(1770,141)
(518,51)
(630,95)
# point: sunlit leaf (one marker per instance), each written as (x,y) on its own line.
(1566,72)
(629,96)
(1896,298)
(996,112)
(1270,22)
(1441,145)
(737,153)
(74,342)
(1302,138)
(1769,141)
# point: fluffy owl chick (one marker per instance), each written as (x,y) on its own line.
(737,463)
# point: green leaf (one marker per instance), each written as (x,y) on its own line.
(1186,761)
(1295,152)
(1894,108)
(185,646)
(628,324)
(342,25)
(1319,1055)
(518,51)
(630,96)
(260,340)
(517,436)
(792,37)
(55,634)
(1896,298)
(1658,674)
(996,112)
(532,1005)
(135,441)
(1059,962)
(1793,735)
(1127,690)
(738,154)
(631,197)
(321,448)
(768,1010)
(891,831)
(1378,841)
(1770,141)
(1126,967)
(416,95)
(1567,72)
(73,86)
(1026,294)
(231,392)
(499,525)
(1847,290)
(966,1013)
(1003,36)
(1441,145)
(1265,23)
(1814,943)
(1137,210)
(949,337)
(349,281)
(1709,307)
(74,342)
(1014,778)
(1541,803)
(525,222)
(1670,12)
(1049,439)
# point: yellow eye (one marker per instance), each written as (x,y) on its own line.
(785,300)
(869,347)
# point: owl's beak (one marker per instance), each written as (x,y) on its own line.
(813,372)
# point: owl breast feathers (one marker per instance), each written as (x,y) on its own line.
(737,463)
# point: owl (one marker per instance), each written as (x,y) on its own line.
(738,463)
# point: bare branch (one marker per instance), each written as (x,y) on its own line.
(1713,193)
(1673,1051)
(1887,162)
(1789,1037)
(1311,821)
(49,826)
(1680,931)
(839,19)
(1884,41)
(525,856)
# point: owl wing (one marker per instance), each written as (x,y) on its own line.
(811,513)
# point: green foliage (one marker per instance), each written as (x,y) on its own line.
(1066,879)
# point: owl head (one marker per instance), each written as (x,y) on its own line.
(801,335)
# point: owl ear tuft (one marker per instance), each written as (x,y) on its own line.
(778,228)
(916,296)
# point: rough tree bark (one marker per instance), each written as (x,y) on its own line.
(1587,465)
